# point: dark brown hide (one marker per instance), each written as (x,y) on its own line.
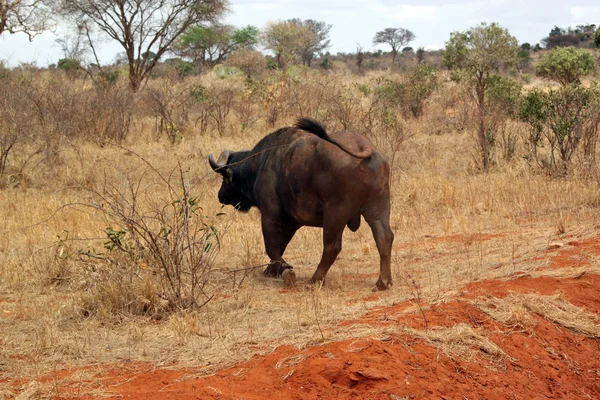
(301,176)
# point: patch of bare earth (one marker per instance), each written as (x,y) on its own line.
(526,336)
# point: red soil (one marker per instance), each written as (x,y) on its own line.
(545,361)
(578,253)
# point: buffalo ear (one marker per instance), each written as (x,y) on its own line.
(227,172)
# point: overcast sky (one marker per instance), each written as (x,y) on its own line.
(356,21)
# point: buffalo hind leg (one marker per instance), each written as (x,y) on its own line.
(332,245)
(384,237)
(277,237)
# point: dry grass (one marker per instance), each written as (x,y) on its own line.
(515,310)
(461,340)
(442,211)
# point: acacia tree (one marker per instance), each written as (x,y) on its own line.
(320,40)
(26,16)
(287,40)
(396,38)
(211,45)
(143,26)
(479,53)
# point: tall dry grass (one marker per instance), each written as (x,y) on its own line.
(83,139)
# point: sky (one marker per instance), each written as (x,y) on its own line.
(356,22)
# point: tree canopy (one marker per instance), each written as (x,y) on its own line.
(480,52)
(25,16)
(211,45)
(396,38)
(320,39)
(287,40)
(141,26)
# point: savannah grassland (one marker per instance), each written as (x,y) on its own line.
(70,296)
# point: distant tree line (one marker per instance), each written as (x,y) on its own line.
(190,36)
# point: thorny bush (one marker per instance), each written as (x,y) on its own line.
(157,231)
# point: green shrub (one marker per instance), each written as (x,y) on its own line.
(566,65)
(565,117)
(524,58)
(413,92)
(69,64)
(503,95)
(224,72)
(502,98)
(326,64)
(183,68)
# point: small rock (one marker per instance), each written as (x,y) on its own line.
(353,377)
(372,374)
(556,245)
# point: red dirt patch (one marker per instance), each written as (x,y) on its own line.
(547,361)
(582,291)
(578,253)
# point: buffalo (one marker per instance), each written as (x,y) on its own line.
(303,176)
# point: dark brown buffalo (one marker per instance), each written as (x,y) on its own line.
(300,176)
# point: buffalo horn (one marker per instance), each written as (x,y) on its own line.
(213,163)
(222,160)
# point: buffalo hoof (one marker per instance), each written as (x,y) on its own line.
(380,285)
(276,269)
(317,282)
(289,278)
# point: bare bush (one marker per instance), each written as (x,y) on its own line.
(113,120)
(389,135)
(221,96)
(163,232)
(246,110)
(345,107)
(169,106)
(308,93)
(16,122)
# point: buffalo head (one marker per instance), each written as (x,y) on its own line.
(232,189)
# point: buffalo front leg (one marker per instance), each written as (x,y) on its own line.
(332,245)
(277,235)
(384,237)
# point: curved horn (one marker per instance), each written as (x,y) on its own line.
(213,163)
(221,162)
